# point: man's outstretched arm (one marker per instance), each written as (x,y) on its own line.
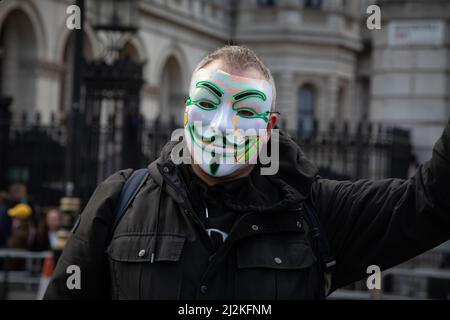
(389,221)
(86,247)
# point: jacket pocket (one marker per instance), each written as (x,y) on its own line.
(276,267)
(135,276)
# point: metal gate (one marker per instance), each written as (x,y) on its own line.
(109,129)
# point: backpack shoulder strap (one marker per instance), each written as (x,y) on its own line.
(327,259)
(128,193)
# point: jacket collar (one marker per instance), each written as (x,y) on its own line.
(295,176)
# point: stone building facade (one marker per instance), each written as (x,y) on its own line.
(327,65)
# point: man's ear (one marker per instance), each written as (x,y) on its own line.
(273,119)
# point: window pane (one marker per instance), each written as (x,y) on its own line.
(306,111)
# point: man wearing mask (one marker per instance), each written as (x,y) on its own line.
(219,229)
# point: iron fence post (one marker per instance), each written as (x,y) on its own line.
(71,172)
(5,122)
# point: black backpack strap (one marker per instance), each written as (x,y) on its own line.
(128,193)
(328,260)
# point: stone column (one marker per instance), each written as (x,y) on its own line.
(286,103)
(330,104)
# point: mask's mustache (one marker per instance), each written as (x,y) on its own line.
(222,141)
(235,147)
(216,141)
(234,142)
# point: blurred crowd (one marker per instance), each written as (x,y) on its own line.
(25,226)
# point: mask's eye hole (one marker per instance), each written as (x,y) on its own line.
(206,105)
(246,113)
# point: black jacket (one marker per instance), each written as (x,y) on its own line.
(269,252)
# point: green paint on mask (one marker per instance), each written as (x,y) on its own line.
(250,94)
(213,168)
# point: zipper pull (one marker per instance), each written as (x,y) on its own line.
(206,213)
(152,258)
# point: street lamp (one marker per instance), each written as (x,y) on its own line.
(114,20)
(112,83)
(102,78)
(115,15)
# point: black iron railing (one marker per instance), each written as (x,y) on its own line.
(35,152)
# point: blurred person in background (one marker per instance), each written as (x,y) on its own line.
(46,233)
(21,214)
(17,195)
(47,240)
(22,233)
(22,229)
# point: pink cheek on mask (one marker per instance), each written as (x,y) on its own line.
(235,122)
(232,90)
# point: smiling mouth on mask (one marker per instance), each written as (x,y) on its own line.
(221,145)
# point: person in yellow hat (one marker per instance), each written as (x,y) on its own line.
(21,226)
(20,211)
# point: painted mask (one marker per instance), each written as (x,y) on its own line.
(223,120)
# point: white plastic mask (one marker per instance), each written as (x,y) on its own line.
(220,111)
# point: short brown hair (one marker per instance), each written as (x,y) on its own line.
(240,58)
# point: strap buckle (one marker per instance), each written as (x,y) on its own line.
(223,234)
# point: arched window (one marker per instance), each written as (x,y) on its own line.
(67,74)
(129,51)
(306,109)
(19,56)
(172,98)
